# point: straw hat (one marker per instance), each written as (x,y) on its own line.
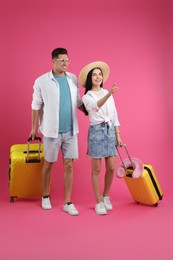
(96,64)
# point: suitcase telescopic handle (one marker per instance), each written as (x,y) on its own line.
(36,138)
(124,145)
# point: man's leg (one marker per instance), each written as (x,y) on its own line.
(46,177)
(68,183)
(70,152)
(68,179)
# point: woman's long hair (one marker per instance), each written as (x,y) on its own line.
(88,85)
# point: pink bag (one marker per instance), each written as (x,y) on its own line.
(135,163)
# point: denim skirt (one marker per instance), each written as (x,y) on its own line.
(101,141)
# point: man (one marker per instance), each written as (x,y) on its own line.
(55,101)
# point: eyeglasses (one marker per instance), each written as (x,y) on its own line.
(63,60)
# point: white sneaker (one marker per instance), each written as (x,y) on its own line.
(70,209)
(107,203)
(46,203)
(100,209)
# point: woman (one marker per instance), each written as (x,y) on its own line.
(103,132)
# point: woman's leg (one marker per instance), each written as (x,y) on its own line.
(110,168)
(96,165)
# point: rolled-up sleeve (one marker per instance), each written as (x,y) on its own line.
(114,114)
(96,114)
(79,101)
(90,103)
(37,100)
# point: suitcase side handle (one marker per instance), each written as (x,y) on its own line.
(36,138)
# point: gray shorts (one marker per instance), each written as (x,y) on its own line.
(67,142)
(101,141)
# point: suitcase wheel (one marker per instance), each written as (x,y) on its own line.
(11,199)
(161,197)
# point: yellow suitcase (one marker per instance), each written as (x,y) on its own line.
(144,189)
(26,162)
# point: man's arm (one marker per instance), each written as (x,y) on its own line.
(34,121)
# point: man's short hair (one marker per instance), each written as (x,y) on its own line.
(58,51)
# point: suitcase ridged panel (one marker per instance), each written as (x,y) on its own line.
(142,189)
(25,178)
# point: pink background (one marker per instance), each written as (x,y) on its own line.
(133,36)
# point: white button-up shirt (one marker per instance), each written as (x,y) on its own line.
(46,97)
(96,114)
